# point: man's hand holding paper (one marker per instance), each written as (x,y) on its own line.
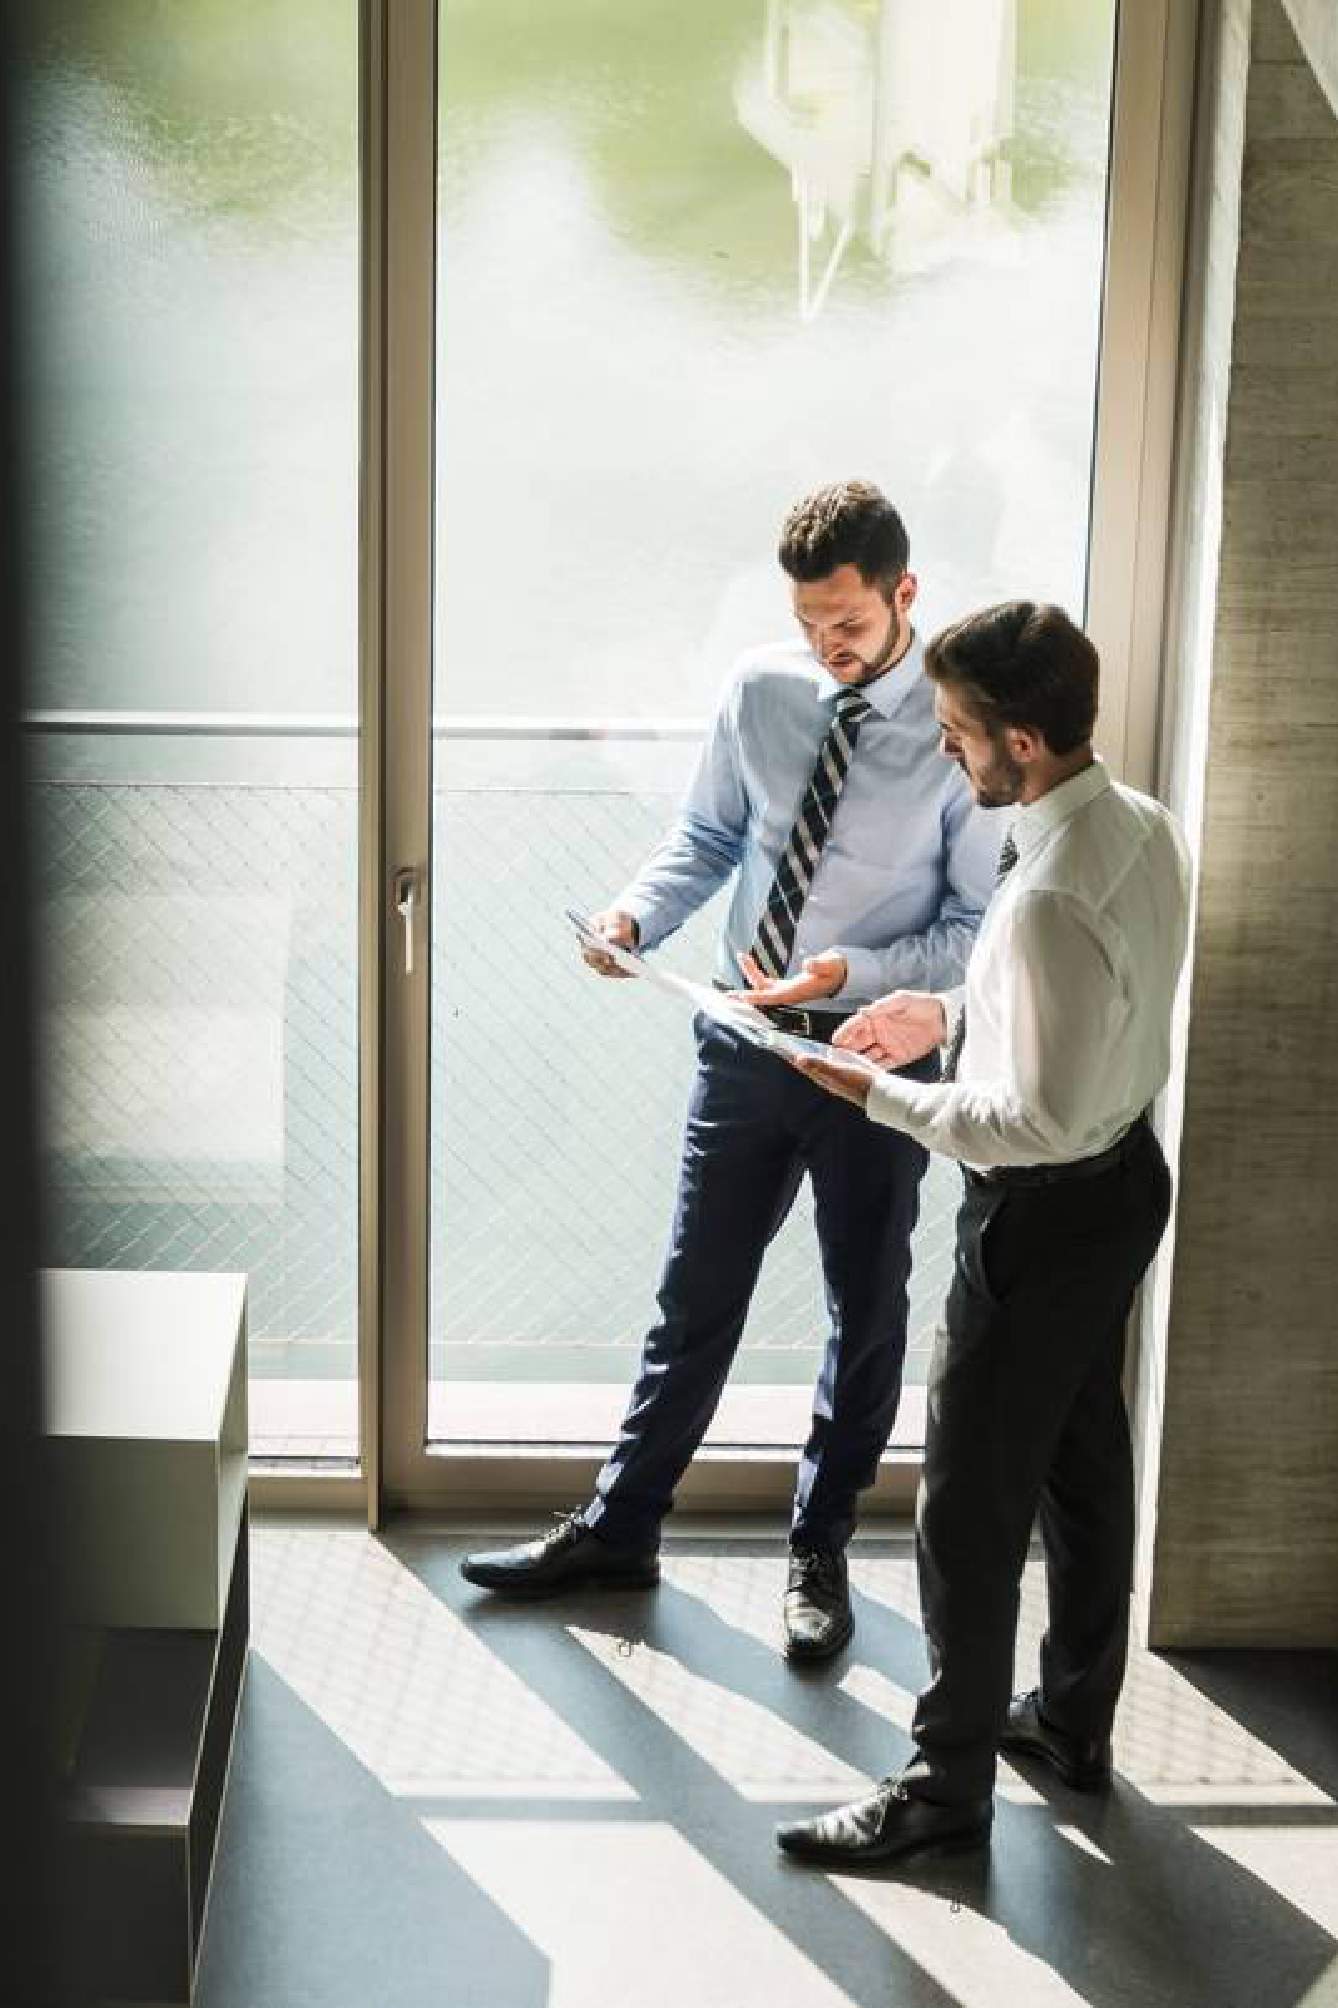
(848,1075)
(891,1032)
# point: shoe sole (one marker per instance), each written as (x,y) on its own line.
(644,1579)
(1068,1774)
(799,1654)
(947,1844)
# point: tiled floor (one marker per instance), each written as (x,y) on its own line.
(438,1798)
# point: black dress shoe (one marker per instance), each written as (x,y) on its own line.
(1083,1762)
(816,1618)
(570,1556)
(892,1821)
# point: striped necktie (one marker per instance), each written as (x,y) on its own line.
(1007,859)
(799,860)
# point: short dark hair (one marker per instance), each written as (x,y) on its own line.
(847,523)
(1022,664)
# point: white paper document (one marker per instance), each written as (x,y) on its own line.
(745,1019)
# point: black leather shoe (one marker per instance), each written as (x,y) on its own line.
(892,1821)
(1081,1762)
(570,1556)
(816,1618)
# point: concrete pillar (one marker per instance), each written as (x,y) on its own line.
(1239,1370)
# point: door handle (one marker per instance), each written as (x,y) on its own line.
(407,892)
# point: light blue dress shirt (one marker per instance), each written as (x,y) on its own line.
(909,864)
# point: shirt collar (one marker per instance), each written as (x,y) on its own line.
(1032,824)
(886,693)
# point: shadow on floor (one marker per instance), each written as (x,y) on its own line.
(1118,1896)
(438,1797)
(325,1894)
(1289,1700)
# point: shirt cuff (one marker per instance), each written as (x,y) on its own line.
(954,1003)
(864,977)
(642,912)
(899,1103)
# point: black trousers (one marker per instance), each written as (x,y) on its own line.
(1026,1416)
(755,1127)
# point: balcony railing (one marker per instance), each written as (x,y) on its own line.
(199,888)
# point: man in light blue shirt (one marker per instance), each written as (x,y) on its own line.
(861,865)
(899,892)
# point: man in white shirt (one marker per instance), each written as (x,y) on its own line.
(1064,1043)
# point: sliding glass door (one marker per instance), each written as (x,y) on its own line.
(692,260)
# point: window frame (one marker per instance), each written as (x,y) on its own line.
(1138,361)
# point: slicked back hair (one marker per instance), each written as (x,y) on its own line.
(847,523)
(1022,664)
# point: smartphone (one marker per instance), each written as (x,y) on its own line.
(591,938)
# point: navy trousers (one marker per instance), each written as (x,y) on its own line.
(754,1128)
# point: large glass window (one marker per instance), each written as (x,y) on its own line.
(192,194)
(695,259)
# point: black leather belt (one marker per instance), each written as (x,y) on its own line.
(819,1025)
(1060,1174)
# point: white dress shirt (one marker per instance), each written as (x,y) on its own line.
(1069,988)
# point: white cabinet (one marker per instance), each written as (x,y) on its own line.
(146,1421)
(146,1431)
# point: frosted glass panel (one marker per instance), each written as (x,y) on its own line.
(193,189)
(191,196)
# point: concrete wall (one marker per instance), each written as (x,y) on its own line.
(1239,1386)
(1315,23)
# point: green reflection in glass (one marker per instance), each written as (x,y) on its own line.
(191,188)
(697,258)
(243,107)
(640,96)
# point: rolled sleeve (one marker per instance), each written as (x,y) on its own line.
(935,957)
(704,843)
(1064,1005)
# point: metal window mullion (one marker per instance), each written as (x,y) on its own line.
(1147,211)
(1129,554)
(371,868)
(399,305)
